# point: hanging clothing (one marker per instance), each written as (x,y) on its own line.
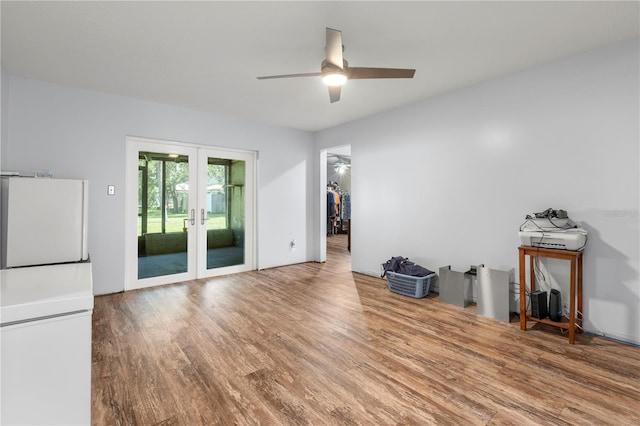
(345,206)
(331,204)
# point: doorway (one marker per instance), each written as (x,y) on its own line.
(190,212)
(338,192)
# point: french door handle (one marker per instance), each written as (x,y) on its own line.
(202,219)
(193,217)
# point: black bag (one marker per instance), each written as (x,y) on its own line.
(404,266)
(392,265)
(410,268)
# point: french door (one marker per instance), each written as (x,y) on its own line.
(190,212)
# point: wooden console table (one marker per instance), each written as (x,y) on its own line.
(575,288)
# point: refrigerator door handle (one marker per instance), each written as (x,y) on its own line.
(193,217)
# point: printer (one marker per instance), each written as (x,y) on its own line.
(552,229)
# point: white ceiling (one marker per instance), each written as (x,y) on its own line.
(207,55)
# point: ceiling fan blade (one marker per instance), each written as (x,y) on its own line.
(308,74)
(361,73)
(334,93)
(334,48)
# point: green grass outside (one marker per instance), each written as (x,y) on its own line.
(176,221)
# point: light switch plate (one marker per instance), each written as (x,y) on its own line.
(111,190)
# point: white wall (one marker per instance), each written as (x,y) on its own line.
(81,134)
(4,123)
(449,180)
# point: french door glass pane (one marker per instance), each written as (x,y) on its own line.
(163,185)
(225,212)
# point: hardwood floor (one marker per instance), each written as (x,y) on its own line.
(317,344)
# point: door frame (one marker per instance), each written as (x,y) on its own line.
(322,238)
(322,241)
(134,144)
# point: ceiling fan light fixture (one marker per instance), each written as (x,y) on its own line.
(334,79)
(340,168)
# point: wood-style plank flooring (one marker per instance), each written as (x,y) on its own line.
(317,344)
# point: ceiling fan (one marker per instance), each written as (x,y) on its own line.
(335,71)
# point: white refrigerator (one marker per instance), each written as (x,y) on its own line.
(46,302)
(44,221)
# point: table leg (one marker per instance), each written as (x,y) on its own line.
(572,302)
(580,311)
